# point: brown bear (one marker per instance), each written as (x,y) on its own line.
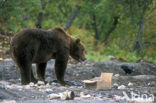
(38,46)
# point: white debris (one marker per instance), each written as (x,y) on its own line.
(27,87)
(121,87)
(130,84)
(9,101)
(82,95)
(53,96)
(49,91)
(152,84)
(64,96)
(115,85)
(40,83)
(67,95)
(116,75)
(13,86)
(117,98)
(31,84)
(140,100)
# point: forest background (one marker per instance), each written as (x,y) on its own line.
(123,29)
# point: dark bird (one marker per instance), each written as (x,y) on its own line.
(128,69)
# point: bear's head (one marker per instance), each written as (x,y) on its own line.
(77,51)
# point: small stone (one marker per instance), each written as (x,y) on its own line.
(121,87)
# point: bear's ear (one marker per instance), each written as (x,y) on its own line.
(77,41)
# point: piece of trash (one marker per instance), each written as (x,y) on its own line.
(90,84)
(40,83)
(151,83)
(49,91)
(68,95)
(41,87)
(82,95)
(55,84)
(3,86)
(115,85)
(27,86)
(75,83)
(31,84)
(53,96)
(117,98)
(9,101)
(130,84)
(1,59)
(121,87)
(116,75)
(105,81)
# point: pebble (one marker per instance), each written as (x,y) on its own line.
(121,87)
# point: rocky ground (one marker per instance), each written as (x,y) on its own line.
(141,83)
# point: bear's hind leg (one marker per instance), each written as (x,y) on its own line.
(33,79)
(40,69)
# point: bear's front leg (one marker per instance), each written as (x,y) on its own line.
(60,68)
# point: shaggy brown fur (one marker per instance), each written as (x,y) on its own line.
(38,46)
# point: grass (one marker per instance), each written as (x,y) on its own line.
(103,52)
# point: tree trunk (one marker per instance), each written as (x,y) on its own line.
(96,36)
(40,15)
(138,45)
(72,17)
(115,22)
(25,18)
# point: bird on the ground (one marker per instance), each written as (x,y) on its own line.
(127,69)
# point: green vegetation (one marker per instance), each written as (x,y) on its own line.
(125,29)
